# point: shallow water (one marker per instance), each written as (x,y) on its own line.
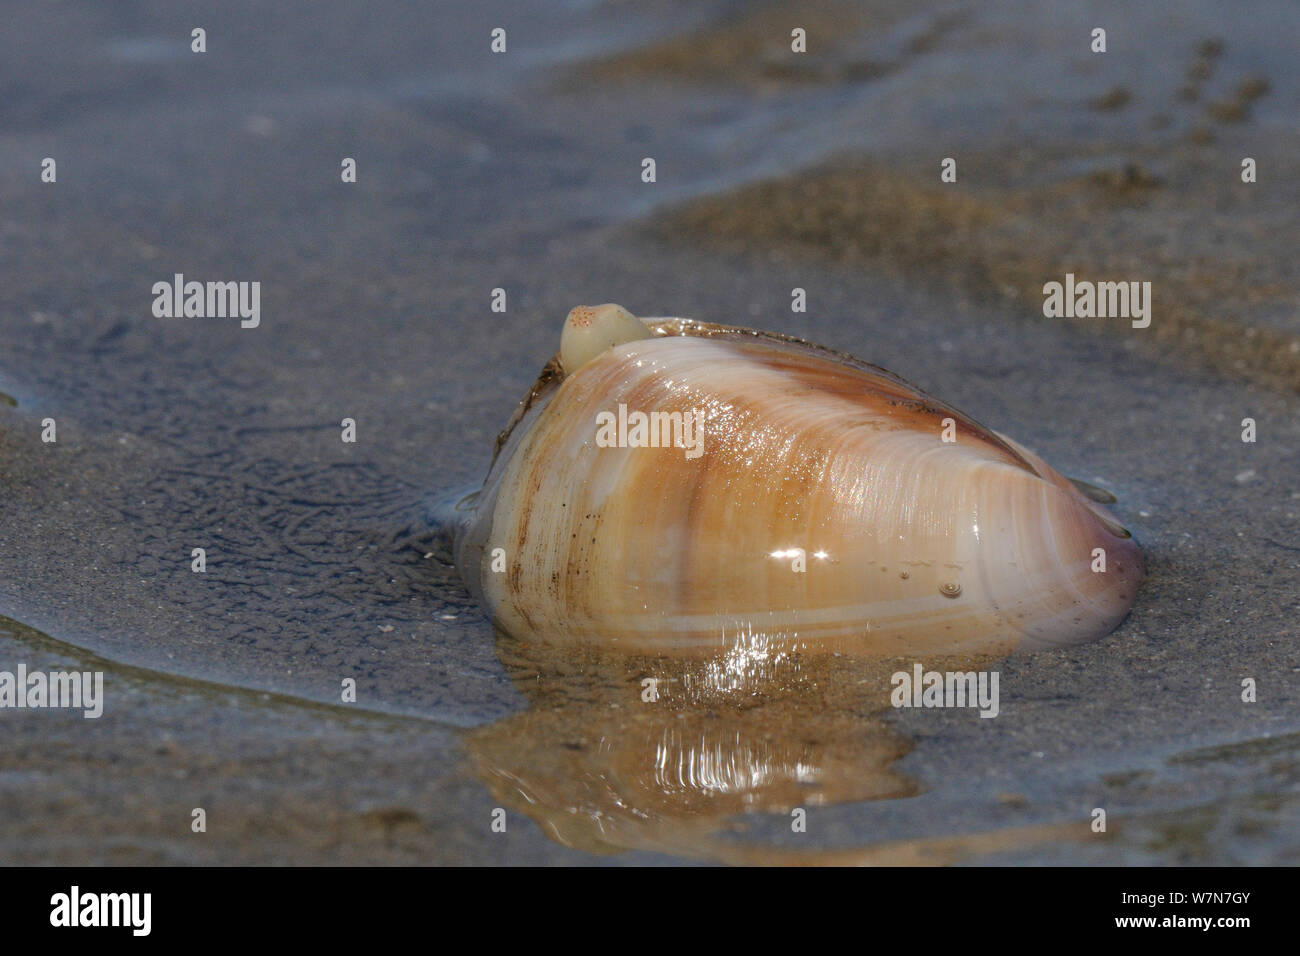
(478,172)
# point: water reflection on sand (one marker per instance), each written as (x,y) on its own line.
(618,752)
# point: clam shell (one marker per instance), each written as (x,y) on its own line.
(911,545)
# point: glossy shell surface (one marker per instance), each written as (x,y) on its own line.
(823,511)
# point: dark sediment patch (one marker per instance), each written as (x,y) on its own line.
(1116,98)
(845,42)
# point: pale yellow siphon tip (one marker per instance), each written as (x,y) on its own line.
(590,330)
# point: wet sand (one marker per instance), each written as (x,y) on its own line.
(478,172)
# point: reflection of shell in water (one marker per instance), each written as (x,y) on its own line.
(817,473)
(601,765)
(632,783)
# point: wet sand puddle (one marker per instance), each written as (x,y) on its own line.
(619,753)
